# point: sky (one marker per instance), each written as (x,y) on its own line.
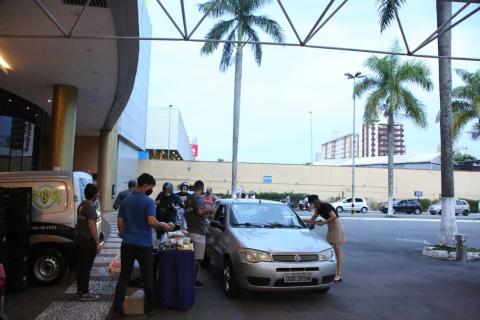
(291,81)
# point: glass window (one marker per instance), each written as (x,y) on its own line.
(264,215)
(358,200)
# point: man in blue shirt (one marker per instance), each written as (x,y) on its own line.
(135,220)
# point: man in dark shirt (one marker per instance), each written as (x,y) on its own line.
(167,206)
(125,193)
(196,216)
(135,220)
(183,194)
(86,240)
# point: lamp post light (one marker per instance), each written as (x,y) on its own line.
(169,126)
(354,77)
(311,137)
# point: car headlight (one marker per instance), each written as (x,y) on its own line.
(326,255)
(255,256)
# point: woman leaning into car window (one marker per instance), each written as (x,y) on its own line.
(335,235)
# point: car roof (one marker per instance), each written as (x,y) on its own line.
(34,174)
(240,201)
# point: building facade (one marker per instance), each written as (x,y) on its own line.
(338,148)
(132,125)
(167,138)
(374,141)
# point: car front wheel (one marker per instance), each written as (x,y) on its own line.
(339,209)
(230,286)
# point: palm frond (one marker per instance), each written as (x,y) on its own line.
(475,131)
(364,85)
(220,7)
(386,9)
(460,120)
(256,48)
(415,72)
(269,26)
(251,5)
(413,108)
(227,52)
(374,106)
(219,30)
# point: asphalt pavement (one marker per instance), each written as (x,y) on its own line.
(385,277)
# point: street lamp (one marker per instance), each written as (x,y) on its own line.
(169,126)
(354,77)
(311,137)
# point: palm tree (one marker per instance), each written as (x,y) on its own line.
(387,10)
(239,27)
(390,95)
(466,106)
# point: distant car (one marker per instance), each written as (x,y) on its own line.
(408,206)
(346,205)
(264,246)
(461,207)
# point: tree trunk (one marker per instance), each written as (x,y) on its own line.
(236,115)
(390,130)
(448,225)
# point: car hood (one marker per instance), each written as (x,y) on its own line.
(280,240)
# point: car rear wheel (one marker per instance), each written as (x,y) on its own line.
(418,211)
(364,210)
(48,267)
(466,212)
(339,209)
(230,286)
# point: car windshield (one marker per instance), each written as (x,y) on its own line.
(263,215)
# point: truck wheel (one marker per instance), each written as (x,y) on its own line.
(48,267)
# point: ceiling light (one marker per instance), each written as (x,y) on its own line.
(9,100)
(4,66)
(49,100)
(28,108)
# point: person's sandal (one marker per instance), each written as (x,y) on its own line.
(337,278)
(89,297)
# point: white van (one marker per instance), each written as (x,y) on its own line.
(55,199)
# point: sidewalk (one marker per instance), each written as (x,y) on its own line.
(101,282)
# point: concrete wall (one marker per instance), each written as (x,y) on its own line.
(86,154)
(325,181)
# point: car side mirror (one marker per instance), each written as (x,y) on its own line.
(310,226)
(217,225)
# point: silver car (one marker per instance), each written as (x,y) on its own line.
(263,245)
(461,207)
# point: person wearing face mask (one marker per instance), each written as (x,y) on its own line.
(87,241)
(168,204)
(135,219)
(209,198)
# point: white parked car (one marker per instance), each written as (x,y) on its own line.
(461,207)
(360,205)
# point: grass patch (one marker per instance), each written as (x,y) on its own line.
(450,249)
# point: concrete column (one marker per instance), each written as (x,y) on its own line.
(64,118)
(107,167)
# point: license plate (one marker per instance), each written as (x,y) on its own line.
(297,277)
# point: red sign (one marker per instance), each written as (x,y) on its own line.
(194,150)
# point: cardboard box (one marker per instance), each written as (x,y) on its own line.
(134,302)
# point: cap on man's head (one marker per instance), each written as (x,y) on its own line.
(312,198)
(198,185)
(132,184)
